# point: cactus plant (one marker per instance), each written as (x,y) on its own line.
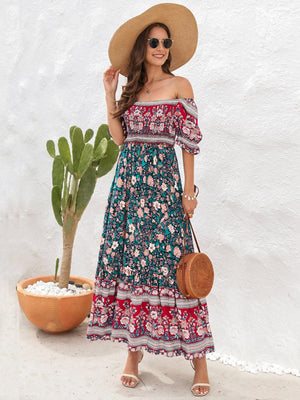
(75,170)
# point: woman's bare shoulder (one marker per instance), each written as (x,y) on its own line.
(183,87)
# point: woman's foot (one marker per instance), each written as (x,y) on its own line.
(201,377)
(129,378)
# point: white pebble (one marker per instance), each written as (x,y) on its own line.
(52,289)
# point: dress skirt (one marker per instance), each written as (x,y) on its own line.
(136,298)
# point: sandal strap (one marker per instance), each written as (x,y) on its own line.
(131,376)
(192,364)
(200,384)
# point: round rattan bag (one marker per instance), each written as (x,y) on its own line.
(195,273)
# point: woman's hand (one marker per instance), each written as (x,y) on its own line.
(110,81)
(189,207)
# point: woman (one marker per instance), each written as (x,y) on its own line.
(136,298)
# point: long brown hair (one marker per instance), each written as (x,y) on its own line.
(137,75)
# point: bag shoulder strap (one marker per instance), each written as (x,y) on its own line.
(198,247)
(188,221)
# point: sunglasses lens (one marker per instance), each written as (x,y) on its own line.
(168,43)
(153,43)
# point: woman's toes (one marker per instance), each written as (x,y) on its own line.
(196,391)
(128,381)
(204,391)
(201,390)
(132,382)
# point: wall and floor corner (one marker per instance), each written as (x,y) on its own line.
(245,75)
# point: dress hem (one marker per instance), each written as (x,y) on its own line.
(173,353)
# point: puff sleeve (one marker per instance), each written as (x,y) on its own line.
(188,133)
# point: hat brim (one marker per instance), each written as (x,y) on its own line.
(181,23)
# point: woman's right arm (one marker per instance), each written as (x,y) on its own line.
(110,81)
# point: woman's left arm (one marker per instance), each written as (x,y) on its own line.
(188,166)
(184,90)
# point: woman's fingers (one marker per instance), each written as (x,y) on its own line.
(111,73)
(189,207)
(110,80)
(117,74)
(108,76)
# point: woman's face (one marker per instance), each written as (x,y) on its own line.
(159,55)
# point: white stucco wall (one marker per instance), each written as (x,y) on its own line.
(245,76)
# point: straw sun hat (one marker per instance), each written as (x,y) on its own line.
(181,23)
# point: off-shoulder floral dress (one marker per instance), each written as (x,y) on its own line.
(136,299)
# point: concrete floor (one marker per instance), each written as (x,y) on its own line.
(39,366)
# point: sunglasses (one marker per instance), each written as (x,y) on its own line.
(153,43)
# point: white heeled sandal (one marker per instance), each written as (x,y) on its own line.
(198,384)
(132,376)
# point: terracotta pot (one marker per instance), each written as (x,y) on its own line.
(55,314)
